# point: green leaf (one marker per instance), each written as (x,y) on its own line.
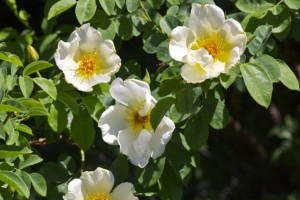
(159,111)
(10,151)
(221,116)
(85,10)
(124,28)
(15,182)
(168,23)
(26,85)
(269,65)
(35,67)
(39,184)
(46,85)
(105,25)
(258,83)
(185,99)
(120,162)
(34,108)
(292,4)
(60,7)
(24,128)
(227,79)
(120,3)
(82,130)
(69,101)
(152,40)
(169,86)
(108,6)
(152,172)
(11,58)
(254,5)
(94,106)
(29,160)
(8,108)
(287,77)
(196,131)
(132,5)
(57,117)
(262,34)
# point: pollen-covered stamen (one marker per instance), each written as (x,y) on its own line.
(99,196)
(214,45)
(138,122)
(89,65)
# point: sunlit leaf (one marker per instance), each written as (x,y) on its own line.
(11,58)
(60,7)
(15,182)
(35,67)
(47,86)
(85,10)
(287,77)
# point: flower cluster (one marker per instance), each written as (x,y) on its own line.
(209,46)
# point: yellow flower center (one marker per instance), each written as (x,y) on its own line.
(89,65)
(99,196)
(138,122)
(213,45)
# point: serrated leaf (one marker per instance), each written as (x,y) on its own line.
(269,65)
(29,160)
(24,128)
(10,151)
(60,7)
(47,86)
(262,34)
(82,130)
(35,67)
(57,117)
(15,182)
(39,184)
(85,10)
(227,79)
(159,111)
(132,5)
(287,77)
(11,58)
(26,85)
(108,6)
(258,83)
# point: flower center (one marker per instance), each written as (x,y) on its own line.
(213,45)
(89,65)
(138,122)
(99,196)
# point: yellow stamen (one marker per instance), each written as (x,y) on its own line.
(213,45)
(99,196)
(138,122)
(89,65)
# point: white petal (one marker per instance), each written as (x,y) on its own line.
(181,37)
(205,19)
(74,190)
(123,192)
(81,85)
(98,181)
(89,38)
(65,53)
(110,60)
(126,139)
(234,58)
(218,67)
(131,93)
(112,121)
(141,144)
(194,73)
(161,137)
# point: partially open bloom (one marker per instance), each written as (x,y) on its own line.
(87,59)
(97,185)
(128,122)
(209,46)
